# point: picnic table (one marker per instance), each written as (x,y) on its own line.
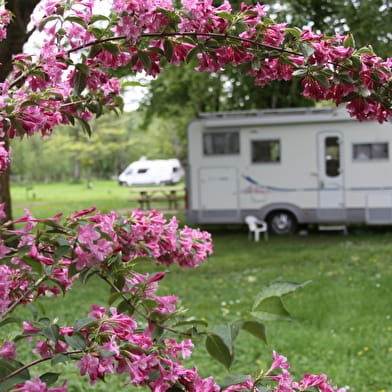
(146,196)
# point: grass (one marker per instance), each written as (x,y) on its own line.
(342,320)
(45,200)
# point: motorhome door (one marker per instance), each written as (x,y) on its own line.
(330,177)
(218,193)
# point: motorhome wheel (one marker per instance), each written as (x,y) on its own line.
(282,222)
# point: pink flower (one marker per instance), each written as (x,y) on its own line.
(4,154)
(2,213)
(28,327)
(7,351)
(90,365)
(279,361)
(166,304)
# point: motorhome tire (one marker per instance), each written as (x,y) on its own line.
(282,222)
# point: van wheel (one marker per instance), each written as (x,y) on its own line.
(282,222)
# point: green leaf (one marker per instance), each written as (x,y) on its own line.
(46,20)
(76,19)
(295,31)
(171,15)
(168,49)
(306,49)
(23,250)
(76,341)
(7,367)
(51,332)
(227,333)
(157,332)
(85,126)
(145,59)
(49,378)
(323,80)
(62,251)
(219,350)
(18,126)
(256,329)
(9,320)
(234,380)
(366,50)
(111,48)
(106,353)
(191,322)
(84,322)
(349,41)
(96,18)
(114,297)
(225,15)
(271,309)
(278,289)
(192,54)
(302,72)
(79,82)
(125,307)
(28,103)
(95,49)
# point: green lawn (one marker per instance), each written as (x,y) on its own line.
(342,321)
(45,200)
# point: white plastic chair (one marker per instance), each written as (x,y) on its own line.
(256,227)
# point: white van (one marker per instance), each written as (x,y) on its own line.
(152,172)
(289,167)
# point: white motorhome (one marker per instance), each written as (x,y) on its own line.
(289,167)
(152,172)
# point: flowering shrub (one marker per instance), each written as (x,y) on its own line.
(139,334)
(71,78)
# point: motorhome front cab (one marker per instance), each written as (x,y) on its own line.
(289,167)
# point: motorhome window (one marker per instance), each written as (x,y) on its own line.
(265,151)
(332,156)
(221,143)
(370,151)
(142,171)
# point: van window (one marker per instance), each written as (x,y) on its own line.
(332,156)
(142,170)
(221,143)
(265,151)
(370,151)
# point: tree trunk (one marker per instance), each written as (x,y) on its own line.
(17,35)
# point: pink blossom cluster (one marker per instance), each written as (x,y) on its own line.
(287,384)
(58,85)
(116,345)
(140,235)
(37,385)
(13,287)
(94,241)
(5,19)
(4,157)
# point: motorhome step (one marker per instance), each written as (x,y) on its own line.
(333,228)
